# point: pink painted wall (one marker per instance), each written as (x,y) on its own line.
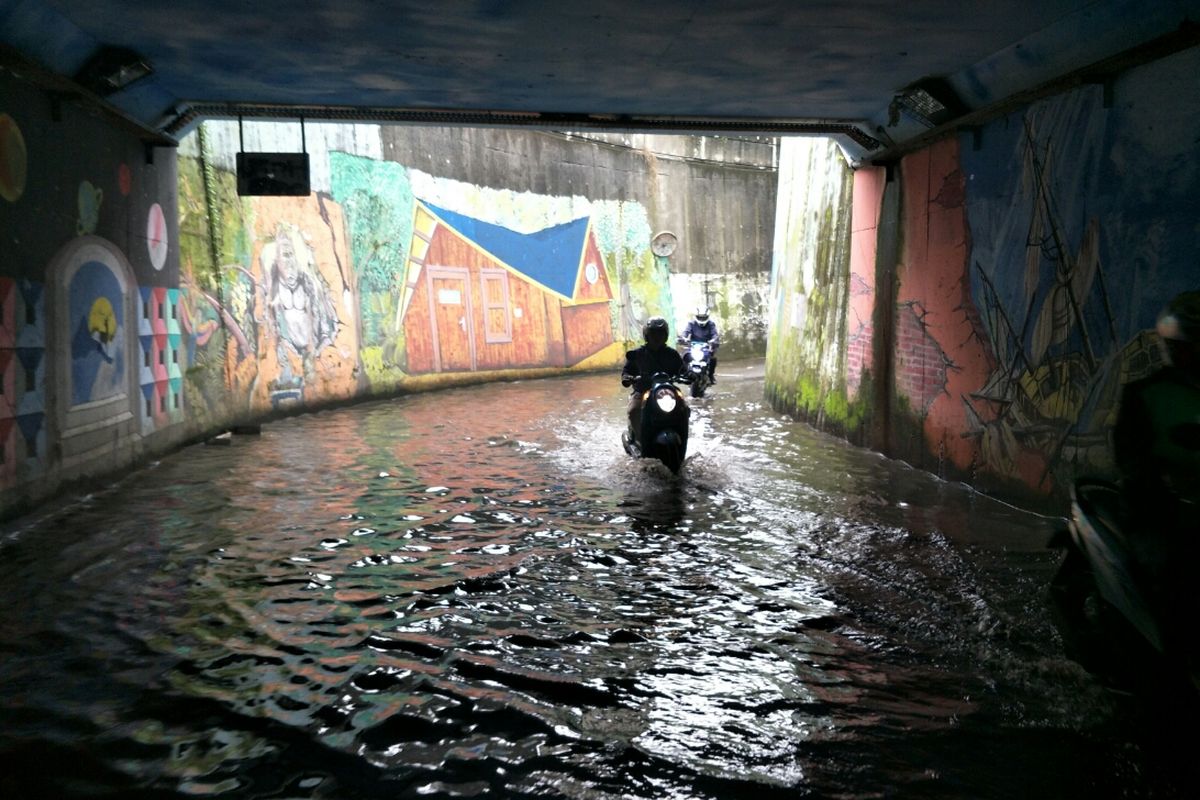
(941,354)
(864,233)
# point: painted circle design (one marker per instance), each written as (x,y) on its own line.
(156,236)
(591,272)
(14,159)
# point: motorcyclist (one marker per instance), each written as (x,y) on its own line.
(642,363)
(702,328)
(1156,442)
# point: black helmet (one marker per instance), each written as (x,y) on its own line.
(702,314)
(1180,320)
(655,330)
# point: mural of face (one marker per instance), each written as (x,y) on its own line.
(285,260)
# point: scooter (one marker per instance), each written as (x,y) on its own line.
(1102,597)
(696,363)
(663,433)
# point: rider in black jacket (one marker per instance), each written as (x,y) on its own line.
(642,363)
(704,329)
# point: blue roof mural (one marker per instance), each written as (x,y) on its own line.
(549,256)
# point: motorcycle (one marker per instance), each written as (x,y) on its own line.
(696,363)
(663,433)
(1103,600)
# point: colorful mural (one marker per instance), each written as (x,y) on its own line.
(96,317)
(171,319)
(480,296)
(323,297)
(1098,233)
(1034,255)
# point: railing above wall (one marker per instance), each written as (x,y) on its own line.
(630,123)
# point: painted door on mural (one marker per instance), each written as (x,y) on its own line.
(450,318)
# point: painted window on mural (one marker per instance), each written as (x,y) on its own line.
(497,318)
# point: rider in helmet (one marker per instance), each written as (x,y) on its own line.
(1156,441)
(1157,432)
(642,363)
(703,329)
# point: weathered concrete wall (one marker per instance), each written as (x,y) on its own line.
(1016,281)
(810,286)
(143,305)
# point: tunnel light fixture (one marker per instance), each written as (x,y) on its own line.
(111,69)
(930,101)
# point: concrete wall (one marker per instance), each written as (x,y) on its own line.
(810,285)
(147,304)
(1015,281)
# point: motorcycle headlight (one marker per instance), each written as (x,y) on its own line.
(665,399)
(697,352)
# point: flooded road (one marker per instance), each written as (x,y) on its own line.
(477,593)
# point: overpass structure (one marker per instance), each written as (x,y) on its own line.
(878,76)
(1019,176)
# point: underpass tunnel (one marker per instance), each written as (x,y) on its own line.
(955,266)
(313,477)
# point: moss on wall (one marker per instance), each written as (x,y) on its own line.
(806,359)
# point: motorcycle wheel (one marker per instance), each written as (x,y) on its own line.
(1094,634)
(671,454)
(698,387)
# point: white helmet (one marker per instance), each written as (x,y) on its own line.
(702,314)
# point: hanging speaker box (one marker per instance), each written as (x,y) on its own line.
(273,174)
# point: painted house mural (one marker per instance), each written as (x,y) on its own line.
(395,276)
(480,296)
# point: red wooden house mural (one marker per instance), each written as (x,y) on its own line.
(480,296)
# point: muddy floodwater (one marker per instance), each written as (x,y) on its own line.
(476,593)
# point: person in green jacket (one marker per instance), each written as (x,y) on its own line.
(1156,439)
(1156,442)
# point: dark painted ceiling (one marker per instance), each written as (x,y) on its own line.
(684,65)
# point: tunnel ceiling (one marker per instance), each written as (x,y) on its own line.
(771,66)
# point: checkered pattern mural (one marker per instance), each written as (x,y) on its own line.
(162,358)
(22,381)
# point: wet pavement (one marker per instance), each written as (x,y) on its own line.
(476,593)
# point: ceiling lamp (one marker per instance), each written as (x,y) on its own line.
(111,69)
(930,101)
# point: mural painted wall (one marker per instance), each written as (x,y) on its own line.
(715,194)
(143,303)
(89,244)
(391,278)
(1031,263)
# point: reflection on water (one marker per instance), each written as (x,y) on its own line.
(477,593)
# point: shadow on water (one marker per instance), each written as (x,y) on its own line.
(477,593)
